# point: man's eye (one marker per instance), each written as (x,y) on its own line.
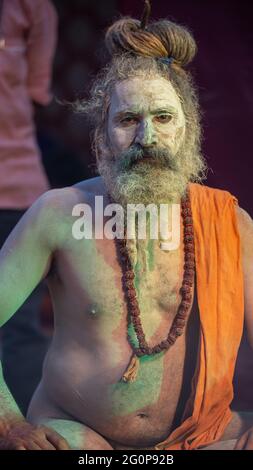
(128,121)
(164,118)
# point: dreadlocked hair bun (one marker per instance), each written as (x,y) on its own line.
(162,38)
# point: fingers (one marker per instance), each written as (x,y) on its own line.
(33,446)
(44,444)
(56,439)
(34,438)
(240,443)
(245,442)
(249,442)
(39,444)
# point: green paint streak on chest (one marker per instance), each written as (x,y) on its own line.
(130,329)
(139,284)
(150,247)
(137,280)
(127,398)
(151,257)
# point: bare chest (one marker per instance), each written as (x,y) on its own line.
(91,311)
(89,298)
(92,274)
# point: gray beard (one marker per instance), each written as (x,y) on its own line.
(151,182)
(143,184)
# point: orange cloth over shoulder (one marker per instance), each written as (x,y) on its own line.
(221,309)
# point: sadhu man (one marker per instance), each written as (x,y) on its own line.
(145,339)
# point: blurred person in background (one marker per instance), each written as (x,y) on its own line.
(28,33)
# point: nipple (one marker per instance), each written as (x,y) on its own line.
(92,310)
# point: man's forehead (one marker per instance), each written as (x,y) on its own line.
(138,93)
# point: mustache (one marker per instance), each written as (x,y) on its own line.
(161,156)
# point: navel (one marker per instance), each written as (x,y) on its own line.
(142,415)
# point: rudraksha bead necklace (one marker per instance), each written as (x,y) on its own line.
(186,291)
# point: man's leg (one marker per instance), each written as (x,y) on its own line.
(78,436)
(221,445)
(239,424)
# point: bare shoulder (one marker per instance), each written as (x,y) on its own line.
(53,211)
(91,187)
(51,214)
(245,226)
(62,200)
(50,218)
(245,221)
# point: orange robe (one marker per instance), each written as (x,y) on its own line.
(221,309)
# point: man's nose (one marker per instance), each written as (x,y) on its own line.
(146,134)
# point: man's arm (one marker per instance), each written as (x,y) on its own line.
(24,260)
(245,225)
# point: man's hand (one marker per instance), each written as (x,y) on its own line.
(245,442)
(24,436)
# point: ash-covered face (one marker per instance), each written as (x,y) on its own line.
(147,159)
(145,112)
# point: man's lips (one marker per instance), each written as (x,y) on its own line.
(150,160)
(146,159)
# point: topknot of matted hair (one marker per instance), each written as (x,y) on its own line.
(161,38)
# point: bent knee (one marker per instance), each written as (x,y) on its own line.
(221,445)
